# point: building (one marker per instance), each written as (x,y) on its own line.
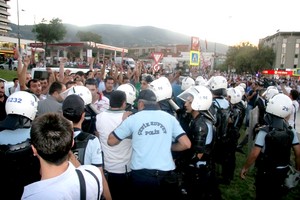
(169,50)
(78,51)
(4,22)
(286,48)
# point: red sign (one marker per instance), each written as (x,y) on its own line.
(277,72)
(156,67)
(157,56)
(36,44)
(195,44)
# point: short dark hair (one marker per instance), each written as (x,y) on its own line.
(80,73)
(294,94)
(56,86)
(91,81)
(117,98)
(108,78)
(32,81)
(87,73)
(15,79)
(52,136)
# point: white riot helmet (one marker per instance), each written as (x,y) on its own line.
(243,85)
(200,96)
(187,82)
(241,89)
(270,92)
(235,95)
(280,105)
(22,103)
(130,91)
(200,81)
(217,82)
(162,88)
(80,90)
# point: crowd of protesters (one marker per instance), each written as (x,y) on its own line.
(177,153)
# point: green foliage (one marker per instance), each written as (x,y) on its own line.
(89,36)
(248,58)
(51,32)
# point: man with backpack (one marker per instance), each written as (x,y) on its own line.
(221,109)
(18,165)
(272,150)
(86,147)
(197,164)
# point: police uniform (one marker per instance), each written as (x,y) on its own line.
(152,132)
(18,165)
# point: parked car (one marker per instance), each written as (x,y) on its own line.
(5,65)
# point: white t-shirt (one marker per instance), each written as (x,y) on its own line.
(102,104)
(116,158)
(65,186)
(93,152)
(295,108)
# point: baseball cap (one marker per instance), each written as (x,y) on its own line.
(73,105)
(147,95)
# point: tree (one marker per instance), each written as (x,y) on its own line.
(89,36)
(248,58)
(53,31)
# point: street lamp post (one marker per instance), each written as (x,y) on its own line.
(19,42)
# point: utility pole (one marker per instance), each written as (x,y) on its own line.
(19,42)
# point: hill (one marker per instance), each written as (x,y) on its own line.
(125,36)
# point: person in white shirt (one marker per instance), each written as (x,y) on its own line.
(117,159)
(294,94)
(52,139)
(99,101)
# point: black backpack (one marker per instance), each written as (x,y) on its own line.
(222,116)
(221,131)
(80,143)
(89,123)
(278,144)
(18,168)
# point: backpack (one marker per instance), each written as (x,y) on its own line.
(80,144)
(222,116)
(89,123)
(18,168)
(278,144)
(221,129)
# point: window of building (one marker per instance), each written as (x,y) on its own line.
(296,55)
(295,66)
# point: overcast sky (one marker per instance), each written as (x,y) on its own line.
(224,21)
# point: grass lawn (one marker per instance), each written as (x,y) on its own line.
(238,189)
(8,75)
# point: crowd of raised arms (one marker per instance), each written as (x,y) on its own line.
(136,133)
